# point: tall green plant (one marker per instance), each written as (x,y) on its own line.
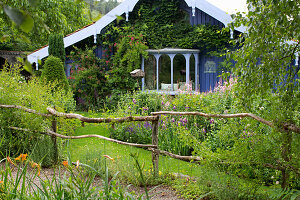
(265,64)
(56,46)
(54,72)
(130,50)
(33,94)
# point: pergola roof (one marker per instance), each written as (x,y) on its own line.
(172,51)
(126,7)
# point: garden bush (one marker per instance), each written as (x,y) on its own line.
(240,146)
(56,46)
(33,94)
(88,80)
(53,71)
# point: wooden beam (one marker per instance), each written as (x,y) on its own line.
(52,133)
(101,120)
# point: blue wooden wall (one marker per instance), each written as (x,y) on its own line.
(207,81)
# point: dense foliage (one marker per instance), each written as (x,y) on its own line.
(53,71)
(56,46)
(88,80)
(243,147)
(26,24)
(265,63)
(34,94)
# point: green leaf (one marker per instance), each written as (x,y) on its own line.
(34,2)
(4,38)
(27,24)
(21,18)
(14,14)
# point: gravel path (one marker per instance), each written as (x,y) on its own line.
(161,192)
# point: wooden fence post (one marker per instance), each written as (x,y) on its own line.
(54,141)
(155,153)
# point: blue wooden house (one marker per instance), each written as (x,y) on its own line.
(200,72)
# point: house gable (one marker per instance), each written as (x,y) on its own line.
(200,10)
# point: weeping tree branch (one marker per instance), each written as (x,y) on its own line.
(285,126)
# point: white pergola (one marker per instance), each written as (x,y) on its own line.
(187,53)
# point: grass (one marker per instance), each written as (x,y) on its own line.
(210,180)
(80,148)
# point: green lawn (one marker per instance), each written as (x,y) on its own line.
(95,148)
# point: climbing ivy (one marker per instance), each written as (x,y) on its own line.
(154,24)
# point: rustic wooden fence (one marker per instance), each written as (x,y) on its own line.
(154,118)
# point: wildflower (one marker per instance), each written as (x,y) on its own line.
(211,121)
(167,104)
(77,164)
(277,182)
(134,101)
(10,161)
(107,156)
(173,120)
(204,130)
(145,108)
(65,163)
(21,157)
(35,165)
(174,107)
(1,186)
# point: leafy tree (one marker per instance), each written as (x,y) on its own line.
(267,72)
(31,21)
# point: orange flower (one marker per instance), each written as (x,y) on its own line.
(107,156)
(10,161)
(65,163)
(1,186)
(21,157)
(35,165)
(77,163)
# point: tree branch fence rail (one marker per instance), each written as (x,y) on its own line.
(154,118)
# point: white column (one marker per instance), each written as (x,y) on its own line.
(37,64)
(143,69)
(172,69)
(95,37)
(231,34)
(196,70)
(187,68)
(157,56)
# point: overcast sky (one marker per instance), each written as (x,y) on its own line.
(230,6)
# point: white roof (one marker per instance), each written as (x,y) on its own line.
(126,7)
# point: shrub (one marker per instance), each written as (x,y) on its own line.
(34,94)
(54,72)
(56,46)
(88,80)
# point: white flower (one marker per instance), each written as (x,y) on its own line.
(277,182)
